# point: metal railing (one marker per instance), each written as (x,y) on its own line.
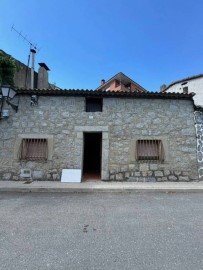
(33,149)
(149,150)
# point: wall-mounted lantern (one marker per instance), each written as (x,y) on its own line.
(7,93)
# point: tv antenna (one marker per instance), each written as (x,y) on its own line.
(32,45)
(33,50)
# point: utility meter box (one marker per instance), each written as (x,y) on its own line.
(25,173)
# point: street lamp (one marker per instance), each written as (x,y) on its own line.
(7,93)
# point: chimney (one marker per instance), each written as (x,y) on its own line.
(42,82)
(32,68)
(162,87)
(102,82)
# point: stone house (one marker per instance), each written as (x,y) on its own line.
(108,135)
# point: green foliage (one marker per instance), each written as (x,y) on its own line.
(7,70)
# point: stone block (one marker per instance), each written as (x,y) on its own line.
(65,131)
(137,174)
(105,135)
(150,179)
(158,173)
(172,178)
(79,135)
(153,167)
(149,173)
(144,174)
(159,179)
(7,176)
(124,168)
(37,175)
(65,114)
(56,176)
(49,176)
(144,167)
(131,166)
(177,173)
(119,176)
(132,179)
(185,173)
(184,178)
(53,171)
(166,172)
(141,179)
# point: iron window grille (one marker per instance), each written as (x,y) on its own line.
(34,149)
(94,104)
(149,150)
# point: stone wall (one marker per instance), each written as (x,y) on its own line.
(122,122)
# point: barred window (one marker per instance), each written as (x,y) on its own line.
(34,149)
(93,105)
(149,150)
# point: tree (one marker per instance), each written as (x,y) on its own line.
(7,69)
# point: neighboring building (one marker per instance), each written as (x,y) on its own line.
(193,84)
(120,82)
(188,85)
(108,135)
(22,76)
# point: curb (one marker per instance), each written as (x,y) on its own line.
(99,190)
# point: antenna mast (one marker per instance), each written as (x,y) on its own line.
(33,50)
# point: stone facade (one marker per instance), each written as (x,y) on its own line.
(63,120)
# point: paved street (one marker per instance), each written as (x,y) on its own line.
(101,231)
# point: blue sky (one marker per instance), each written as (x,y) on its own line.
(83,41)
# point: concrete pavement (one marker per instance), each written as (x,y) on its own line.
(101,231)
(99,186)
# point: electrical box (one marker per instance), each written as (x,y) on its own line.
(25,173)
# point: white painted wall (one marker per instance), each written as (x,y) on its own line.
(195,85)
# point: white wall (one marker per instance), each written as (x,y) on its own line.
(195,85)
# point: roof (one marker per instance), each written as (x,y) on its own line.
(183,80)
(124,78)
(198,108)
(94,93)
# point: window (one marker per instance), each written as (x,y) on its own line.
(93,105)
(185,90)
(34,149)
(117,83)
(149,150)
(128,86)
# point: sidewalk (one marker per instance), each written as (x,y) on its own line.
(50,186)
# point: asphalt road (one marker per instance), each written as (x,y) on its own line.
(101,231)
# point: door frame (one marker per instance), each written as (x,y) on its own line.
(79,147)
(100,151)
